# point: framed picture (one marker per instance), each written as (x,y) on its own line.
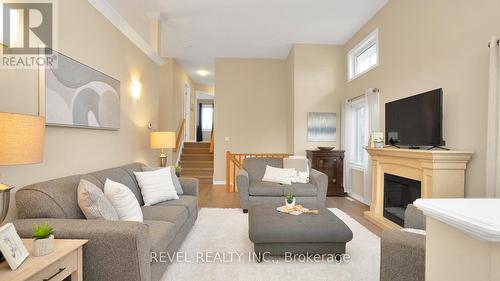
(11,246)
(73,94)
(321,126)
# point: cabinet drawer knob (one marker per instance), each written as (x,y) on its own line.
(334,180)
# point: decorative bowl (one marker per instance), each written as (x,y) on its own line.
(326,148)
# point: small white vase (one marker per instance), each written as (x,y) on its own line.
(290,205)
(42,247)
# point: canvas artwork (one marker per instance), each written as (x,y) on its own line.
(321,126)
(77,95)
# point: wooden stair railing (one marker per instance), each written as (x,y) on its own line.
(234,162)
(212,143)
(180,135)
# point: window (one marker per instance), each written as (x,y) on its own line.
(360,141)
(207,115)
(363,57)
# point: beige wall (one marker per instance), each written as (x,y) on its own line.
(251,108)
(318,86)
(357,183)
(69,150)
(173,80)
(431,45)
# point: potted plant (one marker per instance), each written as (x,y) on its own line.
(378,139)
(178,170)
(290,200)
(44,240)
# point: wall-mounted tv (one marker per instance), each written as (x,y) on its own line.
(415,121)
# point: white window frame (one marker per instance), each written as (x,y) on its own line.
(358,103)
(364,45)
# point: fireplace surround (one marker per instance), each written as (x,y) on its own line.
(441,175)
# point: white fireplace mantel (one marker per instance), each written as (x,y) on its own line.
(441,174)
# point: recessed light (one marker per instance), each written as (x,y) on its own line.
(203,72)
(187,46)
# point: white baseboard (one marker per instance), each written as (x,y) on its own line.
(358,198)
(219,182)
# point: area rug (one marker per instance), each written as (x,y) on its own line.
(218,248)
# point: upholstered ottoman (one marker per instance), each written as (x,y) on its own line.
(274,233)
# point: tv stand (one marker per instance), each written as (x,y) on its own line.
(438,147)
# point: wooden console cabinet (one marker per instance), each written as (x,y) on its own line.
(332,164)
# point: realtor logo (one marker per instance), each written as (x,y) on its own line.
(27,28)
(27,34)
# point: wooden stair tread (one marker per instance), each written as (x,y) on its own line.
(197,162)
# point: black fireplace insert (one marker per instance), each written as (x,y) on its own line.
(398,193)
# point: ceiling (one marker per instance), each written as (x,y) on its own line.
(198,31)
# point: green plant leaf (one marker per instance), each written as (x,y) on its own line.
(42,231)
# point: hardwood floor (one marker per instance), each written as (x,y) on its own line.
(215,196)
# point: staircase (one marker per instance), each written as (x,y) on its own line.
(197,162)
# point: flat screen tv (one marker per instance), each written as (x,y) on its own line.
(415,121)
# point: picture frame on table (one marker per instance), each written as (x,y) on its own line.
(12,247)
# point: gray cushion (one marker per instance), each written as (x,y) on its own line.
(93,203)
(301,189)
(414,218)
(266,225)
(188,201)
(175,179)
(256,167)
(161,234)
(177,215)
(264,188)
(299,164)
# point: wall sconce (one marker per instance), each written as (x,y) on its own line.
(136,90)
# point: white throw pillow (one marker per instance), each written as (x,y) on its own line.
(175,179)
(300,177)
(123,200)
(156,186)
(278,175)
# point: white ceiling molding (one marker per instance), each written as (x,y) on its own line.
(119,22)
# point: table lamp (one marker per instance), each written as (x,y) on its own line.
(21,142)
(162,140)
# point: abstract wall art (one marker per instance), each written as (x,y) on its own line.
(321,126)
(73,94)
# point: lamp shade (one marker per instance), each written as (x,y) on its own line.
(162,140)
(21,139)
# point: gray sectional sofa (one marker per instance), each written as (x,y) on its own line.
(402,254)
(117,250)
(253,190)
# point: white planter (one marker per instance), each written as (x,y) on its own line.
(290,205)
(42,247)
(379,144)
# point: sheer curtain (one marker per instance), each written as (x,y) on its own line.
(372,124)
(348,143)
(493,137)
